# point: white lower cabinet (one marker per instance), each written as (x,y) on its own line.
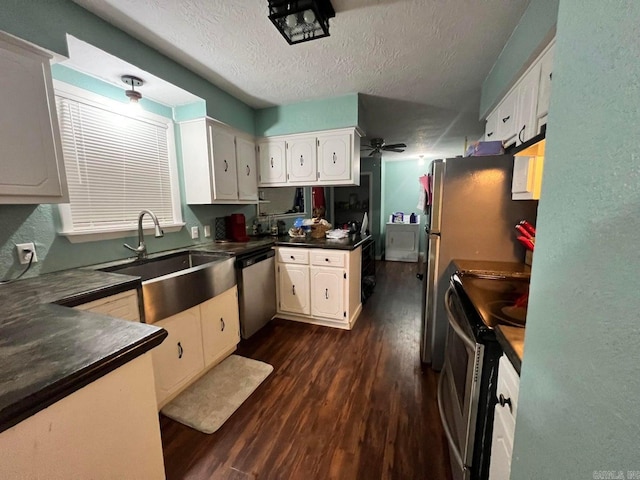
(328,292)
(293,285)
(220,325)
(199,338)
(320,286)
(504,421)
(179,358)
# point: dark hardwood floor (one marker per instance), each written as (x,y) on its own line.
(338,405)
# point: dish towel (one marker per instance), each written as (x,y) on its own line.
(425,192)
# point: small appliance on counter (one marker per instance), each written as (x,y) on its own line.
(236,227)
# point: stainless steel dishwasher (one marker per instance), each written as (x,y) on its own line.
(256,290)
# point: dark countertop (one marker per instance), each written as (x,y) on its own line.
(517,269)
(49,351)
(350,243)
(511,339)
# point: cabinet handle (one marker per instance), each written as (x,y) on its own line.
(222,324)
(301,161)
(489,134)
(248,170)
(505,401)
(226,165)
(326,293)
(520,134)
(271,162)
(180,350)
(292,257)
(504,120)
(334,158)
(550,75)
(326,259)
(293,289)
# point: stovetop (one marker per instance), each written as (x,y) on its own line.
(499,300)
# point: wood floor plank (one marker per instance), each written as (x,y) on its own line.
(341,405)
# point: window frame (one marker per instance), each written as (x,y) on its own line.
(78,94)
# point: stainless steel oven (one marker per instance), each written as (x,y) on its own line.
(466,388)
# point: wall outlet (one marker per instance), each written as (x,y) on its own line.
(207,231)
(195,232)
(25,250)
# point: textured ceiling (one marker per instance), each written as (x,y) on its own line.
(420,63)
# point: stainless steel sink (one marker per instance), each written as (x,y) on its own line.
(176,282)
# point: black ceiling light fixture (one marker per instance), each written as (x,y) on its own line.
(301,20)
(133,82)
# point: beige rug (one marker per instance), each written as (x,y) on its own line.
(210,401)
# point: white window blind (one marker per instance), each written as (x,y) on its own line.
(116,166)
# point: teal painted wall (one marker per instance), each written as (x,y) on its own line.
(190,111)
(578,412)
(20,224)
(46,23)
(401,191)
(534,31)
(308,116)
(374,166)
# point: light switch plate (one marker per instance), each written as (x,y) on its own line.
(207,231)
(195,232)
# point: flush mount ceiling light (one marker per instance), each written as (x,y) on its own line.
(133,82)
(301,20)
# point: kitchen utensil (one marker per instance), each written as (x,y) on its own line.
(526,242)
(524,231)
(530,228)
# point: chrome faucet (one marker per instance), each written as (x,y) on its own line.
(141,249)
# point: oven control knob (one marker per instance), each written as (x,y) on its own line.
(505,401)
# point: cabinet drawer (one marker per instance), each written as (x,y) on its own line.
(328,258)
(122,305)
(293,255)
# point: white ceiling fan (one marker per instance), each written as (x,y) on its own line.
(377,146)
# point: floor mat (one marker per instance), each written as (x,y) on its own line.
(210,401)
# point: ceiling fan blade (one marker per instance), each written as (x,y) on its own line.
(398,150)
(394,145)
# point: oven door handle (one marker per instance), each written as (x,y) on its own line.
(453,448)
(453,322)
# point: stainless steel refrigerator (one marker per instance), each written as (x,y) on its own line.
(471,217)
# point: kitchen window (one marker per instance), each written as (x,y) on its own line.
(119,161)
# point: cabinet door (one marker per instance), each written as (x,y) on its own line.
(179,358)
(223,153)
(507,118)
(328,292)
(220,325)
(491,127)
(293,289)
(32,168)
(527,104)
(247,172)
(501,445)
(334,157)
(271,155)
(301,160)
(546,77)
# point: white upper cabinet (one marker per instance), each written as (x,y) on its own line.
(521,113)
(223,153)
(271,155)
(335,157)
(507,130)
(330,157)
(491,127)
(31,161)
(527,102)
(218,162)
(544,92)
(247,169)
(301,160)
